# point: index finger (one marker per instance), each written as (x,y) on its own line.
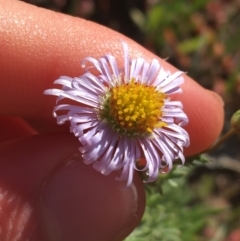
(38,46)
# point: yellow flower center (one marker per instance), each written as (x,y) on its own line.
(134,109)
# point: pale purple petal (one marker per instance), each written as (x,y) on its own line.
(169,80)
(127,172)
(105,68)
(94,62)
(64,80)
(135,72)
(152,72)
(162,76)
(144,72)
(117,160)
(132,69)
(91,82)
(101,146)
(111,60)
(102,164)
(173,87)
(153,161)
(95,126)
(173,104)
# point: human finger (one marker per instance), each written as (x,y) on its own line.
(41,45)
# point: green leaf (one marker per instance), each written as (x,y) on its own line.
(192,44)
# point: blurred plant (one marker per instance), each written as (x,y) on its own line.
(173,216)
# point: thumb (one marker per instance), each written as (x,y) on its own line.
(55,196)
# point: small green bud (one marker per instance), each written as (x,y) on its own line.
(235,121)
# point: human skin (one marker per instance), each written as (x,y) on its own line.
(46,192)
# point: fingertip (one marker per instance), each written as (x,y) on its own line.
(206,115)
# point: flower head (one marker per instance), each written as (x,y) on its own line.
(124,115)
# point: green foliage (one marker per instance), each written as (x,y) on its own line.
(192,44)
(173,216)
(175,16)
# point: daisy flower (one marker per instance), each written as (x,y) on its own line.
(123,115)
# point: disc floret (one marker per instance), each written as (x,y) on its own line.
(134,109)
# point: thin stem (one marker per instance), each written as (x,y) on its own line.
(221,140)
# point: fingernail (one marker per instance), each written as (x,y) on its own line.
(79,203)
